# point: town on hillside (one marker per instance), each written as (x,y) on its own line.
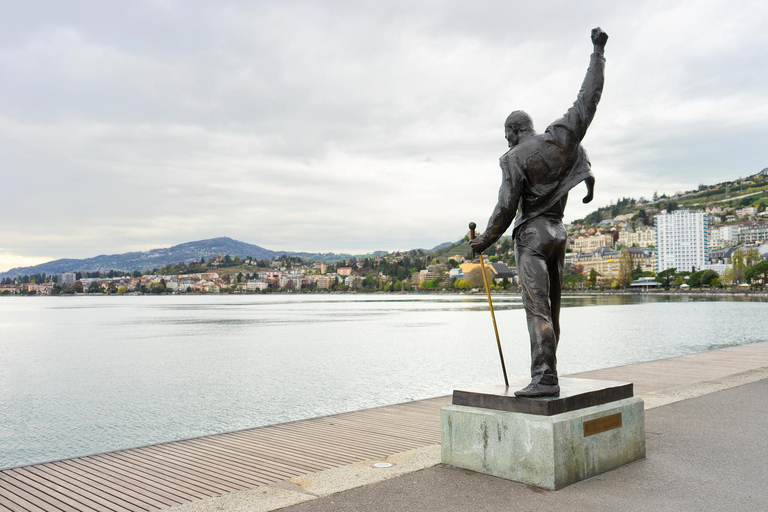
(713,237)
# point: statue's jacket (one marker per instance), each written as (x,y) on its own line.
(538,173)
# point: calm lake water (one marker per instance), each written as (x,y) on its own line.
(82,375)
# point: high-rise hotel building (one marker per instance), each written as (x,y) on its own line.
(681,240)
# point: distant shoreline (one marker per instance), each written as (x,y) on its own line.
(566,293)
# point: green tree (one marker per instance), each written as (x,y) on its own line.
(751,257)
(694,280)
(475,277)
(665,277)
(708,276)
(573,281)
(122,290)
(592,281)
(461,284)
(739,265)
(625,268)
(758,272)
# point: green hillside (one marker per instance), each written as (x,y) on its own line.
(728,196)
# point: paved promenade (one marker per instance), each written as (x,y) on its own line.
(706,453)
(703,448)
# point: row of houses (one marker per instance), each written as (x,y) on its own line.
(681,239)
(606,262)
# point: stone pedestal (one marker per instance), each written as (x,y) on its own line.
(554,442)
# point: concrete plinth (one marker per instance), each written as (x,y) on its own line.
(546,451)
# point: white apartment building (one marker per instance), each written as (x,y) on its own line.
(67,279)
(724,236)
(681,240)
(256,284)
(592,243)
(639,238)
(753,232)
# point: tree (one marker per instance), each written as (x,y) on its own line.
(739,267)
(592,281)
(122,290)
(708,276)
(758,272)
(694,280)
(637,273)
(728,276)
(475,277)
(751,257)
(461,284)
(666,276)
(625,268)
(573,281)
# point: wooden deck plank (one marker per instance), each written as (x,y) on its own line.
(271,439)
(363,444)
(121,487)
(200,454)
(63,492)
(62,475)
(162,483)
(252,460)
(37,497)
(336,451)
(157,491)
(233,448)
(6,505)
(183,477)
(193,468)
(16,503)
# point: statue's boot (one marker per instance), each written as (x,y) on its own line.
(537,389)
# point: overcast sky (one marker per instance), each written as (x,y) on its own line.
(347,126)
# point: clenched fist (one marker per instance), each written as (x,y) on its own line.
(599,38)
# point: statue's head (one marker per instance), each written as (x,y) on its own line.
(517,126)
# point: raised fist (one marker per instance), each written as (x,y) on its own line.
(599,38)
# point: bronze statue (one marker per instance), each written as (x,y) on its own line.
(537,173)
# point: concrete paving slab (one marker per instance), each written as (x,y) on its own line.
(340,479)
(258,499)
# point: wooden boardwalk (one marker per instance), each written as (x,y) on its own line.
(160,476)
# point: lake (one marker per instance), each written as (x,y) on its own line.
(83,375)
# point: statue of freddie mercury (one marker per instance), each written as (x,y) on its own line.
(537,173)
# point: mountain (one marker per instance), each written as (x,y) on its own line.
(155,258)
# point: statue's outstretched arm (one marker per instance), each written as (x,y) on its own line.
(571,128)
